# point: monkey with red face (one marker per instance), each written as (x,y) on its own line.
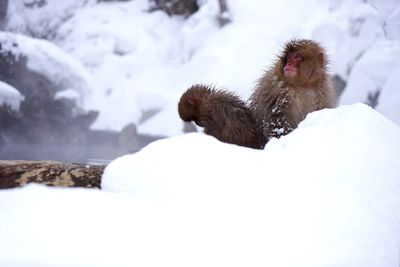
(294,86)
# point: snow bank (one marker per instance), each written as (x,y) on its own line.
(10,96)
(362,38)
(40,18)
(47,59)
(41,226)
(123,47)
(325,195)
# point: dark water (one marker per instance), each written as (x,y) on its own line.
(90,147)
(94,151)
(62,152)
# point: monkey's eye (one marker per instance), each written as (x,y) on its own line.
(298,56)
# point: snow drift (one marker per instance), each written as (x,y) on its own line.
(327,194)
(10,96)
(47,59)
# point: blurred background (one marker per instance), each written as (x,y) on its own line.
(90,80)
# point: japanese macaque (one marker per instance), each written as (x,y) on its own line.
(222,115)
(296,85)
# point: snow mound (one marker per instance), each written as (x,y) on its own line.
(42,226)
(326,194)
(67,94)
(41,18)
(10,96)
(47,59)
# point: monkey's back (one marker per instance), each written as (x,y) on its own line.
(227,118)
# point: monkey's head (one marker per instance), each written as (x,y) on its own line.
(191,102)
(188,108)
(302,62)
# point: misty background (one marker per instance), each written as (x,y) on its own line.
(87,80)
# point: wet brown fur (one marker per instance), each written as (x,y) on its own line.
(280,103)
(276,107)
(222,114)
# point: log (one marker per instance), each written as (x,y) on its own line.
(17,173)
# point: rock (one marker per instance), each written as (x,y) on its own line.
(175,7)
(339,83)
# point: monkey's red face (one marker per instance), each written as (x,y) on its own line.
(293,60)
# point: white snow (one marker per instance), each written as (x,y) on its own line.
(47,59)
(41,18)
(134,55)
(10,96)
(327,194)
(67,94)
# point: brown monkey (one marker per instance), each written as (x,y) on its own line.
(296,85)
(222,114)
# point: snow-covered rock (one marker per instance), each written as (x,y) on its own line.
(10,96)
(41,18)
(50,61)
